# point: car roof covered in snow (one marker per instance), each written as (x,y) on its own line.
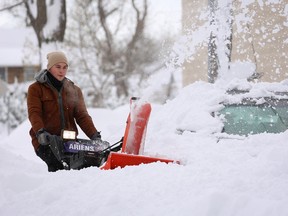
(192,108)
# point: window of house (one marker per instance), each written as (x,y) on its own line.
(29,73)
(15,74)
(2,73)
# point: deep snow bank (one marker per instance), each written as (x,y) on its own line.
(229,177)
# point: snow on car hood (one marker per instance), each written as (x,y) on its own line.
(192,109)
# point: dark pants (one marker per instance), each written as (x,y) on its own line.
(45,153)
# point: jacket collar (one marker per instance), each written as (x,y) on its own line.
(42,77)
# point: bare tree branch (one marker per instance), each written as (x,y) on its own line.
(140,24)
(13,6)
(103,17)
(108,57)
(38,22)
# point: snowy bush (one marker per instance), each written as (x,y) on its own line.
(13,107)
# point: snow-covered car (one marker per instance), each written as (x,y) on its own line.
(255,114)
(238,108)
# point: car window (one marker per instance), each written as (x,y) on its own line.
(242,119)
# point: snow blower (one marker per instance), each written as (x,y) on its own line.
(81,153)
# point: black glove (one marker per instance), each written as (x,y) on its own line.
(96,138)
(44,138)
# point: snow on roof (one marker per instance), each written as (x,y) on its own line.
(12,45)
(11,57)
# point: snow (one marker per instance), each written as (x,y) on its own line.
(247,176)
(12,43)
(217,177)
(164,13)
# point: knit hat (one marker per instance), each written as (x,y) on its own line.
(56,57)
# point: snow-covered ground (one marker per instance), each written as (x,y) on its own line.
(225,178)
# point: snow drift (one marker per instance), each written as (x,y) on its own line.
(227,177)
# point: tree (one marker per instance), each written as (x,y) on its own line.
(213,62)
(112,51)
(220,39)
(40,19)
(40,15)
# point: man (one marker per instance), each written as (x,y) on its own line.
(55,103)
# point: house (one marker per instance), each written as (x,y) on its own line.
(3,87)
(18,59)
(259,37)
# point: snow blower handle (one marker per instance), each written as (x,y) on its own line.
(100,144)
(115,147)
(44,138)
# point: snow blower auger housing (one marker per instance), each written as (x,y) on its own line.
(81,153)
(134,139)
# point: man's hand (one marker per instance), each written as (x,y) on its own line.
(96,136)
(44,138)
(101,145)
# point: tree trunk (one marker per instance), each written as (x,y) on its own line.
(213,61)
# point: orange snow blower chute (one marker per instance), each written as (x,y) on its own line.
(134,139)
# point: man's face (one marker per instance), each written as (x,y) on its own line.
(59,70)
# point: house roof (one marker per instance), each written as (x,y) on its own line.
(13,51)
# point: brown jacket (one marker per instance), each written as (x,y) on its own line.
(54,111)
